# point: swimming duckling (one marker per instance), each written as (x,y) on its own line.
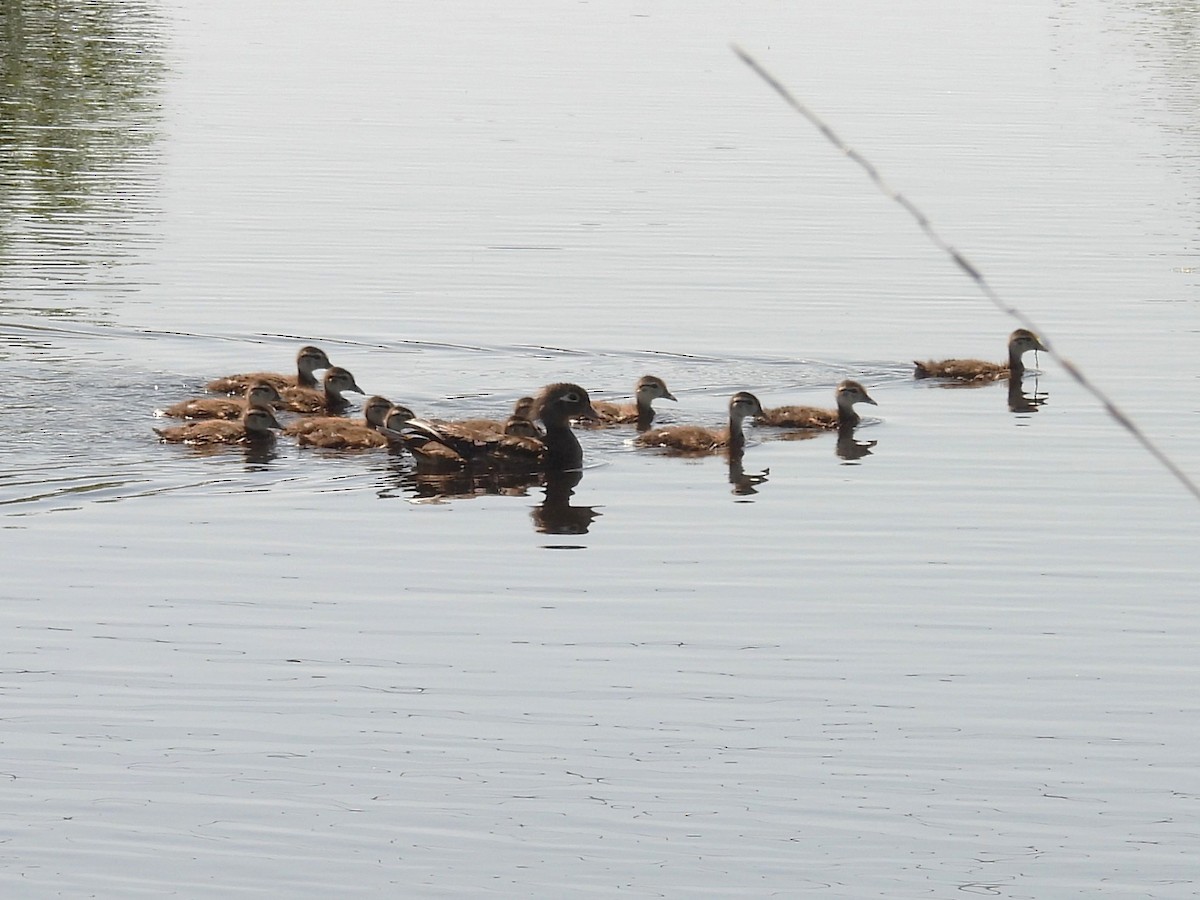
(649,388)
(556,450)
(337,433)
(522,409)
(1020,342)
(694,439)
(254,426)
(259,395)
(308,360)
(848,393)
(327,400)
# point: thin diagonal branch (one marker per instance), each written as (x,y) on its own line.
(973,273)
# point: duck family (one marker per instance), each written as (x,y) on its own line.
(538,435)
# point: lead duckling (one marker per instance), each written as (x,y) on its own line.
(259,395)
(1020,342)
(255,426)
(308,360)
(848,393)
(648,389)
(695,439)
(338,433)
(556,450)
(328,399)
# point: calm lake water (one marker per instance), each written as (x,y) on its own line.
(961,664)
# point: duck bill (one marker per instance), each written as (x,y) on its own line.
(587,415)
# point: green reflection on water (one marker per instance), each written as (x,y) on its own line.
(78,152)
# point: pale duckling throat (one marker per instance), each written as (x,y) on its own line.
(648,389)
(847,394)
(1020,342)
(256,425)
(328,399)
(308,360)
(694,439)
(259,395)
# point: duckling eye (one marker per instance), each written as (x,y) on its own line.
(571,397)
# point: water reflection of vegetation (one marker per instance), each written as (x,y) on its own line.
(78,113)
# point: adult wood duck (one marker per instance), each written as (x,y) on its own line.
(556,450)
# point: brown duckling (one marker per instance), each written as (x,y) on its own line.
(255,425)
(848,393)
(522,409)
(1020,342)
(695,439)
(556,450)
(338,433)
(308,360)
(648,389)
(259,395)
(328,399)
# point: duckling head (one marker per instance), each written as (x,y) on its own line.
(1023,340)
(851,392)
(521,427)
(523,408)
(312,358)
(339,380)
(396,417)
(262,395)
(259,421)
(744,405)
(651,387)
(375,410)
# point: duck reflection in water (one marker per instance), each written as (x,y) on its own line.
(851,448)
(744,483)
(1021,402)
(555,514)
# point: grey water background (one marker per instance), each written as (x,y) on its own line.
(961,665)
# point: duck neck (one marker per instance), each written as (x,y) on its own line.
(645,415)
(562,447)
(1016,365)
(334,399)
(737,434)
(846,414)
(305,376)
